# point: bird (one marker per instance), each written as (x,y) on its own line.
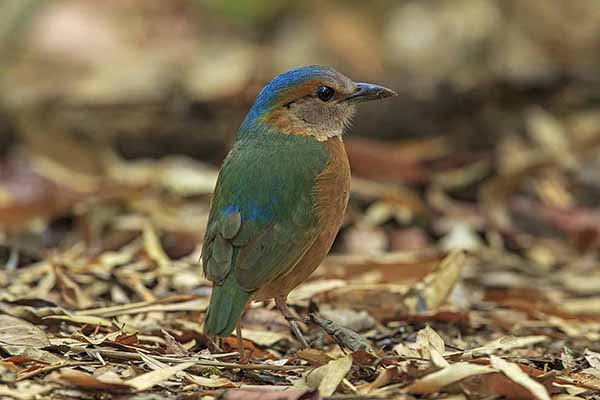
(281,194)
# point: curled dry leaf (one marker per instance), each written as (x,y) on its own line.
(326,378)
(516,374)
(435,381)
(428,346)
(433,291)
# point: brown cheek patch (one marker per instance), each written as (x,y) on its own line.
(284,122)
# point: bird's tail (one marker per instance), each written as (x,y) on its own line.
(227,303)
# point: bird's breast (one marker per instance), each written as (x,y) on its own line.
(331,193)
(332,187)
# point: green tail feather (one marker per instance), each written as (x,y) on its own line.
(227,304)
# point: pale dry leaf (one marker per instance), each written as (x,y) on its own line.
(516,374)
(25,390)
(506,343)
(263,338)
(152,378)
(213,383)
(15,331)
(405,350)
(383,378)
(593,359)
(431,293)
(173,346)
(427,339)
(154,248)
(435,381)
(337,371)
(327,377)
(580,306)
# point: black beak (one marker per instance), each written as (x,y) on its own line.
(368,91)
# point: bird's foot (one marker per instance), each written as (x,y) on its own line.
(292,319)
(295,328)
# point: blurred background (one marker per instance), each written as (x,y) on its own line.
(115,115)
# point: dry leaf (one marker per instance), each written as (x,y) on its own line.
(263,338)
(286,394)
(507,343)
(432,292)
(328,377)
(435,381)
(15,331)
(150,379)
(87,381)
(516,374)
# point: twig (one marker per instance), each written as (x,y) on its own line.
(205,363)
(55,367)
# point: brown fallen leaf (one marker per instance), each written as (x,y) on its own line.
(314,356)
(90,382)
(28,353)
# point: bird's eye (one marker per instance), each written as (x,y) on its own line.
(325,93)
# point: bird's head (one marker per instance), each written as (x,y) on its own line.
(311,101)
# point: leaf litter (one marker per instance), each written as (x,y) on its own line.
(459,272)
(471,315)
(454,319)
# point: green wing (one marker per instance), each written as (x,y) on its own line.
(263,216)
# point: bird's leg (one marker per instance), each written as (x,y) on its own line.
(282,306)
(240,340)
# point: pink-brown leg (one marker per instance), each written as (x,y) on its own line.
(240,340)
(282,306)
